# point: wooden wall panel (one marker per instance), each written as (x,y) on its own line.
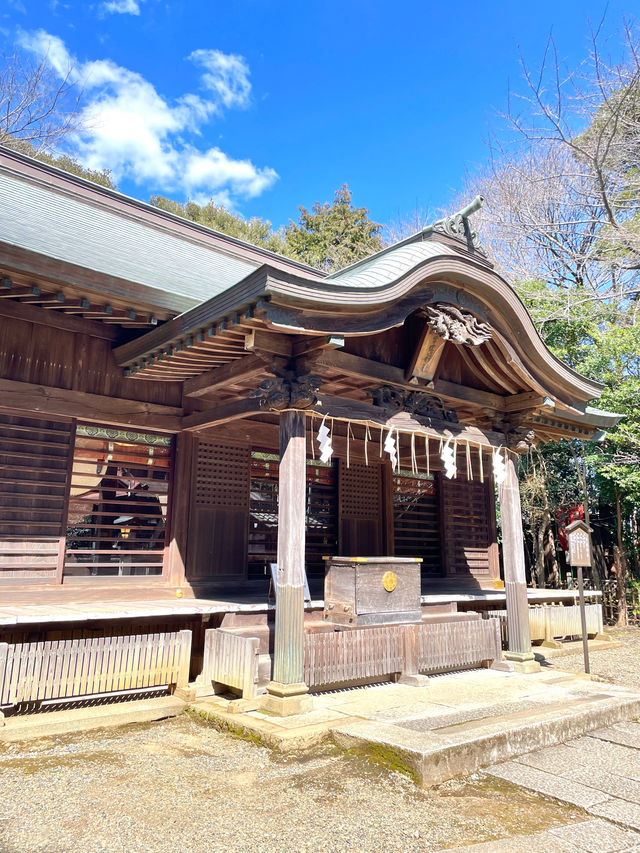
(219,513)
(44,355)
(467,529)
(361,514)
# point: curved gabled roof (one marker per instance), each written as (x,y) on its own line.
(379,293)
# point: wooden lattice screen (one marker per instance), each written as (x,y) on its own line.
(416,520)
(219,512)
(34,467)
(321,515)
(466,510)
(361,515)
(118,503)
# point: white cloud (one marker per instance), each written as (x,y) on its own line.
(121,7)
(226,75)
(131,129)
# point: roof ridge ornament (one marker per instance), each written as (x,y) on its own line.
(457,225)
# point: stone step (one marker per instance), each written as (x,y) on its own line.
(438,754)
(30,726)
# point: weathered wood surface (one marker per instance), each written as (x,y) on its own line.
(445,646)
(515,581)
(231,660)
(219,515)
(337,657)
(289,633)
(355,593)
(236,371)
(67,669)
(44,400)
(340,657)
(548,623)
(426,357)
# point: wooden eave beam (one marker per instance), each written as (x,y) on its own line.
(338,407)
(229,374)
(271,343)
(60,402)
(527,400)
(221,414)
(370,372)
(31,314)
(314,344)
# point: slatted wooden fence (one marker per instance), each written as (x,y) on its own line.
(454,645)
(335,657)
(340,657)
(548,622)
(231,660)
(70,669)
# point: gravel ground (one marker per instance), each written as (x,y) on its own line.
(181,786)
(621,665)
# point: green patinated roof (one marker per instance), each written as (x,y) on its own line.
(387,266)
(60,216)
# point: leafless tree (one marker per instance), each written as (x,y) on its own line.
(563,190)
(37,106)
(405,225)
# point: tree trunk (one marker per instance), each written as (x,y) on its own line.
(552,574)
(620,562)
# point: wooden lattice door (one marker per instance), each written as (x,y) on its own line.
(467,514)
(219,513)
(361,509)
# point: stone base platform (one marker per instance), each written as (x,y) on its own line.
(456,725)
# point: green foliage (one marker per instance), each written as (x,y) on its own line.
(328,237)
(256,231)
(62,161)
(332,236)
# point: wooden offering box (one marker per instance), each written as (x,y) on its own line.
(372,590)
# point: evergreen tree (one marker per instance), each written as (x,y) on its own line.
(332,236)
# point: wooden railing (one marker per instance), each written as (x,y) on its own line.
(552,621)
(340,657)
(230,660)
(71,669)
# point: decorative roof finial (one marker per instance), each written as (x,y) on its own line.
(458,226)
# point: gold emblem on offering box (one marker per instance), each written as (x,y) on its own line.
(389,581)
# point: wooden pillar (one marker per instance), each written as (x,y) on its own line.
(520,653)
(178,521)
(287,691)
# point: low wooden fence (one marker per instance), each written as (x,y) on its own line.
(334,657)
(552,621)
(71,669)
(455,645)
(340,657)
(230,660)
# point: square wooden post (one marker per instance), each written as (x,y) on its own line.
(520,653)
(287,692)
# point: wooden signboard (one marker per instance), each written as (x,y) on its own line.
(578,534)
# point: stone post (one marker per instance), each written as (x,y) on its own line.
(520,653)
(287,692)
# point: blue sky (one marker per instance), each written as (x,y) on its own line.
(266,106)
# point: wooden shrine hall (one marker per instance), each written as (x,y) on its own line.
(192,429)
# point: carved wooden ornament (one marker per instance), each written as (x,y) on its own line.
(453,324)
